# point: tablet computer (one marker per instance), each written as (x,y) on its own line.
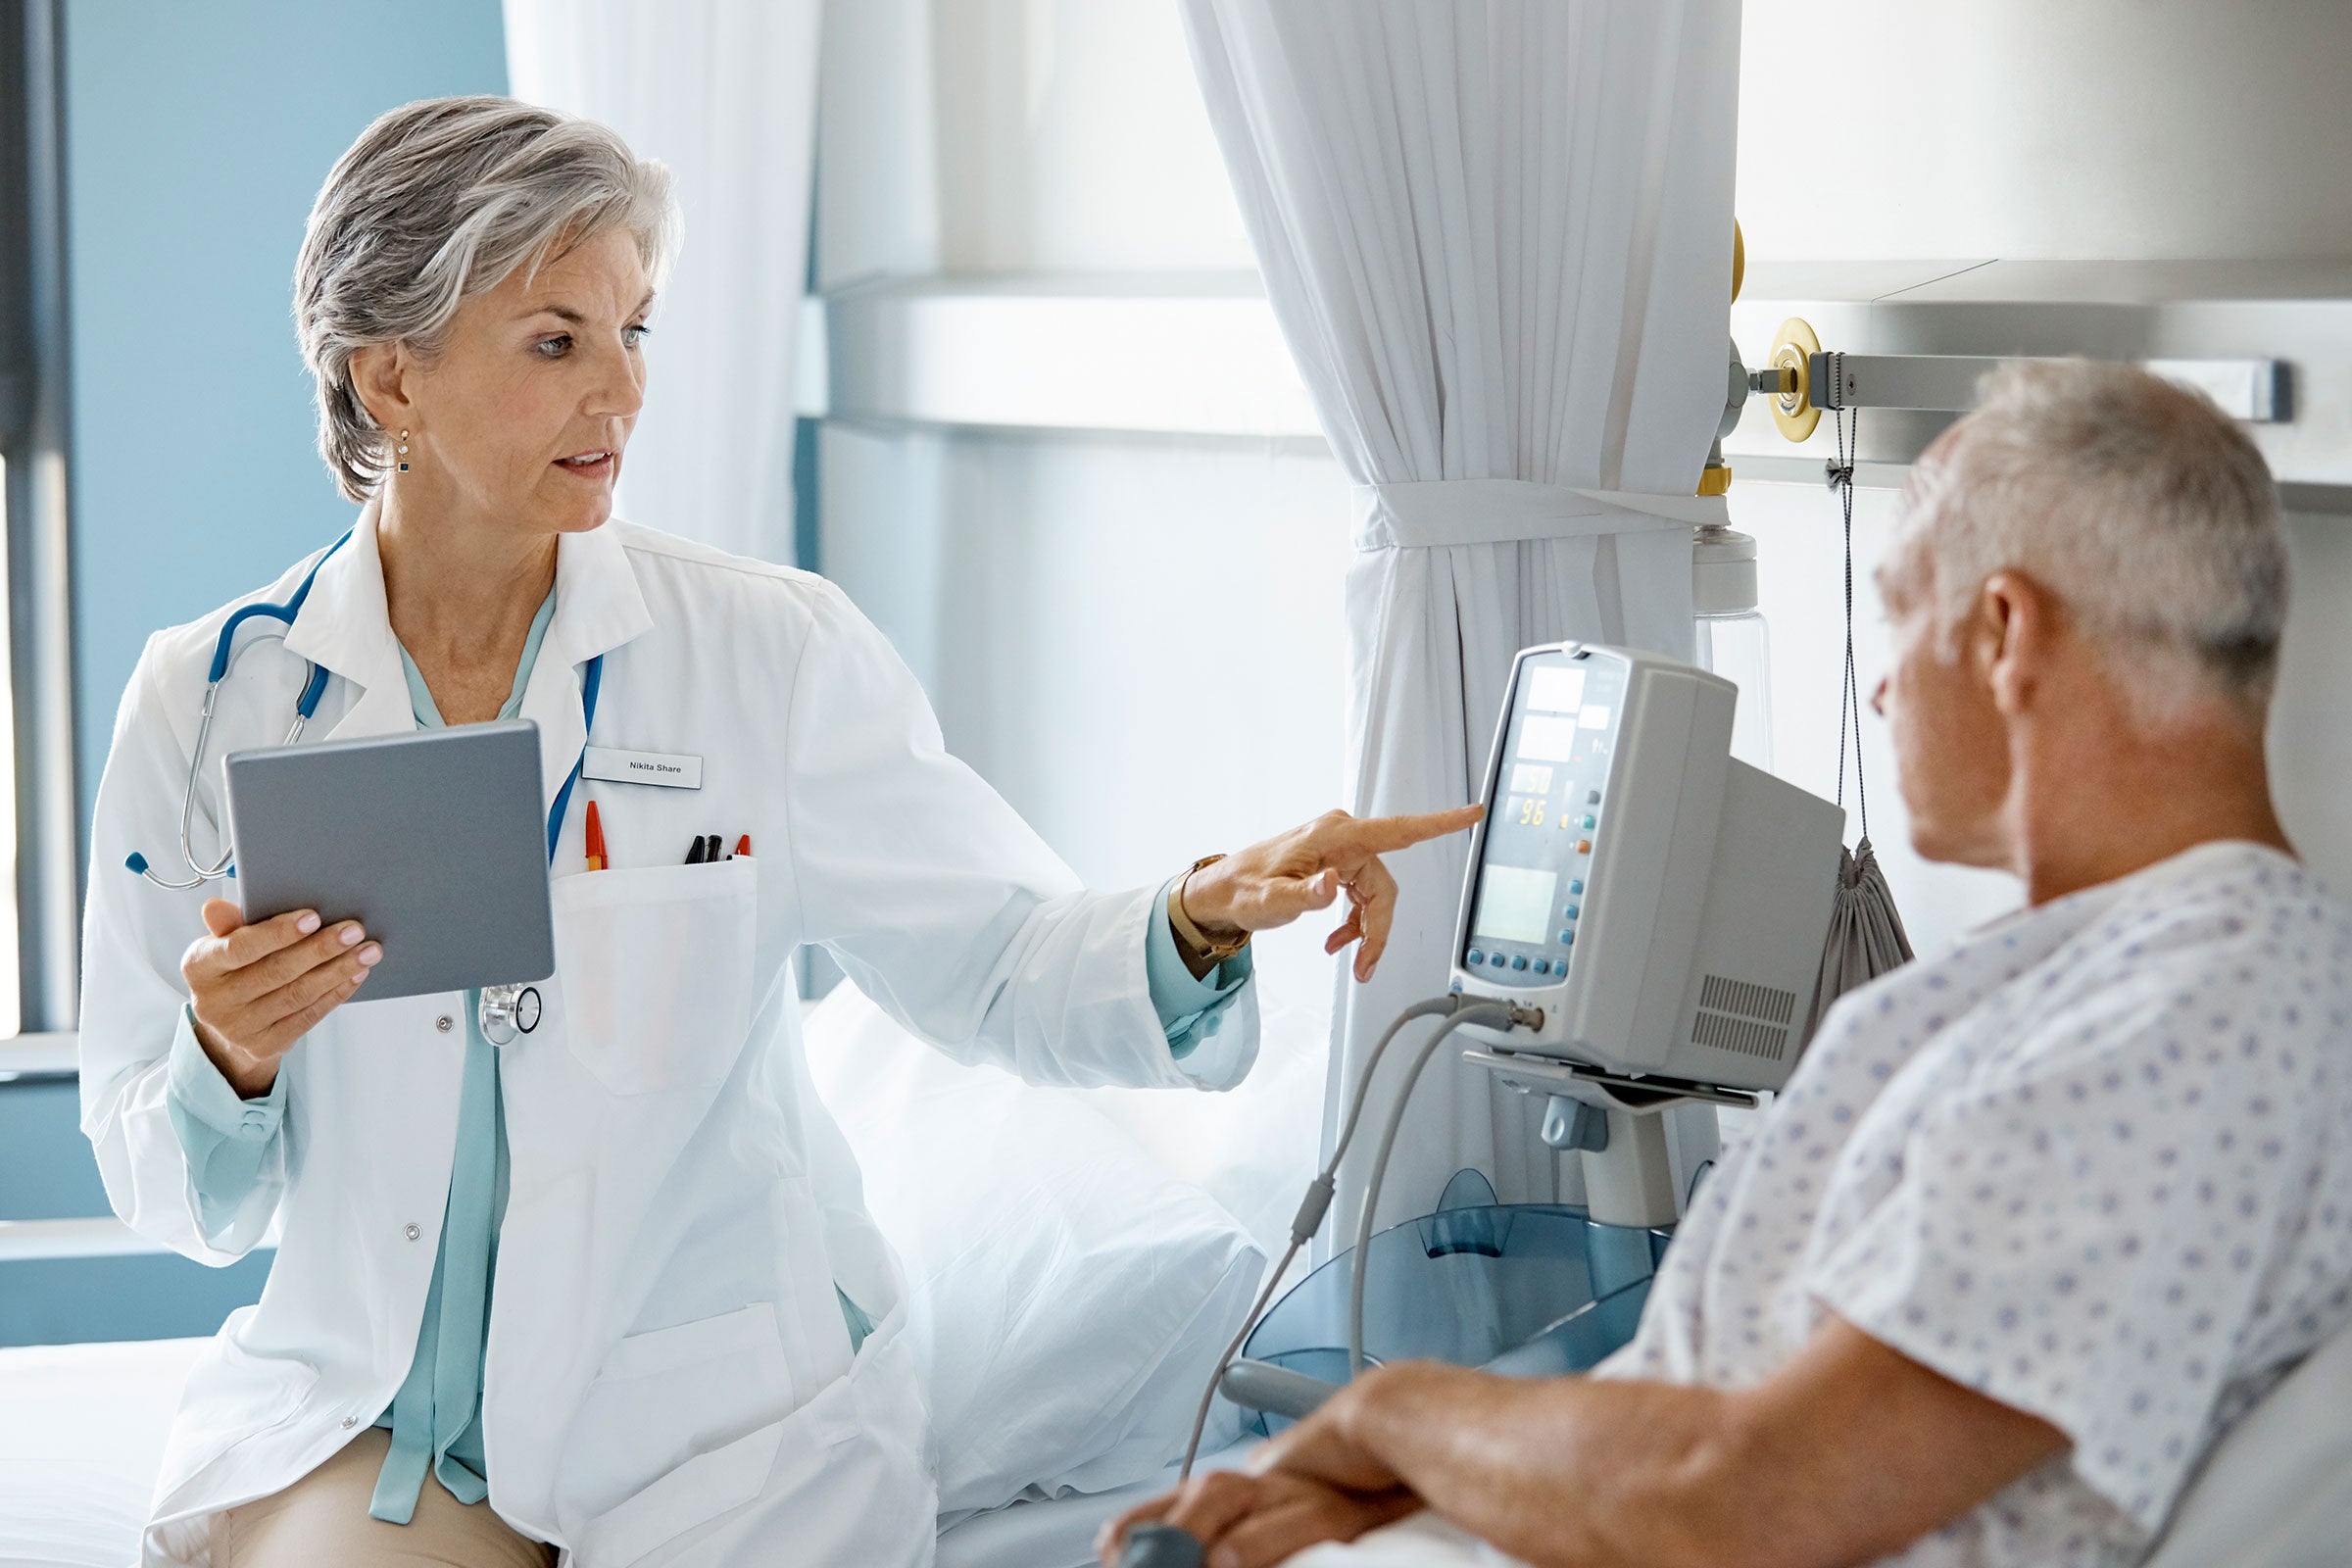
(435,841)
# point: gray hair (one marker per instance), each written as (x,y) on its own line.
(2137,502)
(438,201)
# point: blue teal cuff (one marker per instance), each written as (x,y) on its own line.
(198,1089)
(1189,1010)
(224,1138)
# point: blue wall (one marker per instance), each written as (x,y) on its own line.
(197,134)
(46,1173)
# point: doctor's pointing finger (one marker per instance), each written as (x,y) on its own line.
(1273,883)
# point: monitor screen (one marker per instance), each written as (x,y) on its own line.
(1545,815)
(1514,904)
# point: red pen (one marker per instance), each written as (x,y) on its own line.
(595,839)
(743,845)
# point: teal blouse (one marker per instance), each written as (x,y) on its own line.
(436,1417)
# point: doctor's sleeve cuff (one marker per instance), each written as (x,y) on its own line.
(1190,1010)
(224,1138)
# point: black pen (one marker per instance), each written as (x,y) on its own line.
(694,851)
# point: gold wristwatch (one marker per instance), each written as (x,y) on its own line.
(1191,935)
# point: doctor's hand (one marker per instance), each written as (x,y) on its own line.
(1273,883)
(258,989)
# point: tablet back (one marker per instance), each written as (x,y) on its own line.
(434,841)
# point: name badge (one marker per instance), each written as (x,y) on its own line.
(672,772)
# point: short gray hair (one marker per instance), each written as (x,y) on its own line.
(438,201)
(2143,506)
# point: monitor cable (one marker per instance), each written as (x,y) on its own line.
(1457,1011)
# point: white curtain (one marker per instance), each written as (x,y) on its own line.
(1497,235)
(725,92)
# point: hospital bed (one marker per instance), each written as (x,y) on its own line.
(81,1432)
(1138,1213)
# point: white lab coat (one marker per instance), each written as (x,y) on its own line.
(667,1375)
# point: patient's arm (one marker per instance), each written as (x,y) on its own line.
(1848,1452)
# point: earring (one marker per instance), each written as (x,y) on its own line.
(404,450)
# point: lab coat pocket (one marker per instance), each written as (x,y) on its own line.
(680,1425)
(656,967)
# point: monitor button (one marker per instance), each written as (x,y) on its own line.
(1477,957)
(1496,960)
(1576,887)
(1519,962)
(1567,939)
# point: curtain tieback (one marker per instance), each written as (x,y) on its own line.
(1492,511)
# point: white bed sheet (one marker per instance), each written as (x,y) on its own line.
(1054,1532)
(82,1435)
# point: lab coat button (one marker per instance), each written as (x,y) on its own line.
(445,1023)
(350,1421)
(411,1231)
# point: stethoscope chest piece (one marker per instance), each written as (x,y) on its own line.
(508,1012)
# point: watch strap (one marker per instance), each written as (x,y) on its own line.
(1199,941)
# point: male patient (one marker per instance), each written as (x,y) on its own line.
(2039,1215)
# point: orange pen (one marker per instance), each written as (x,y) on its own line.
(595,839)
(743,845)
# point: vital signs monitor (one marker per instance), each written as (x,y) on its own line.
(1663,904)
(1642,928)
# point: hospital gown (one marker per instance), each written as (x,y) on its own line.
(2093,1161)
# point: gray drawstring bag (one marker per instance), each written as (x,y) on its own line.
(1866,931)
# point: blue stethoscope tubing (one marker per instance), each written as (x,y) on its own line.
(226,654)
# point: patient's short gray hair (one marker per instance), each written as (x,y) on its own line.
(440,200)
(2134,501)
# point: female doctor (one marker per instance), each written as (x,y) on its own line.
(609,1288)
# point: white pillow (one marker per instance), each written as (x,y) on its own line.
(1068,1297)
(1255,1148)
(2275,1493)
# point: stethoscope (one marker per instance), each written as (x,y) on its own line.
(225,654)
(505,1012)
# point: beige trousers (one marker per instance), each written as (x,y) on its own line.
(322,1518)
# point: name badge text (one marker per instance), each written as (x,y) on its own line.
(670,771)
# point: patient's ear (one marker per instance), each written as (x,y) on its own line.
(2014,632)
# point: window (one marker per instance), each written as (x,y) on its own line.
(40,841)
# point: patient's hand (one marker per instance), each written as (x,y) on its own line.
(1255,1521)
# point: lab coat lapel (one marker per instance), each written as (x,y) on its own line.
(344,628)
(598,607)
